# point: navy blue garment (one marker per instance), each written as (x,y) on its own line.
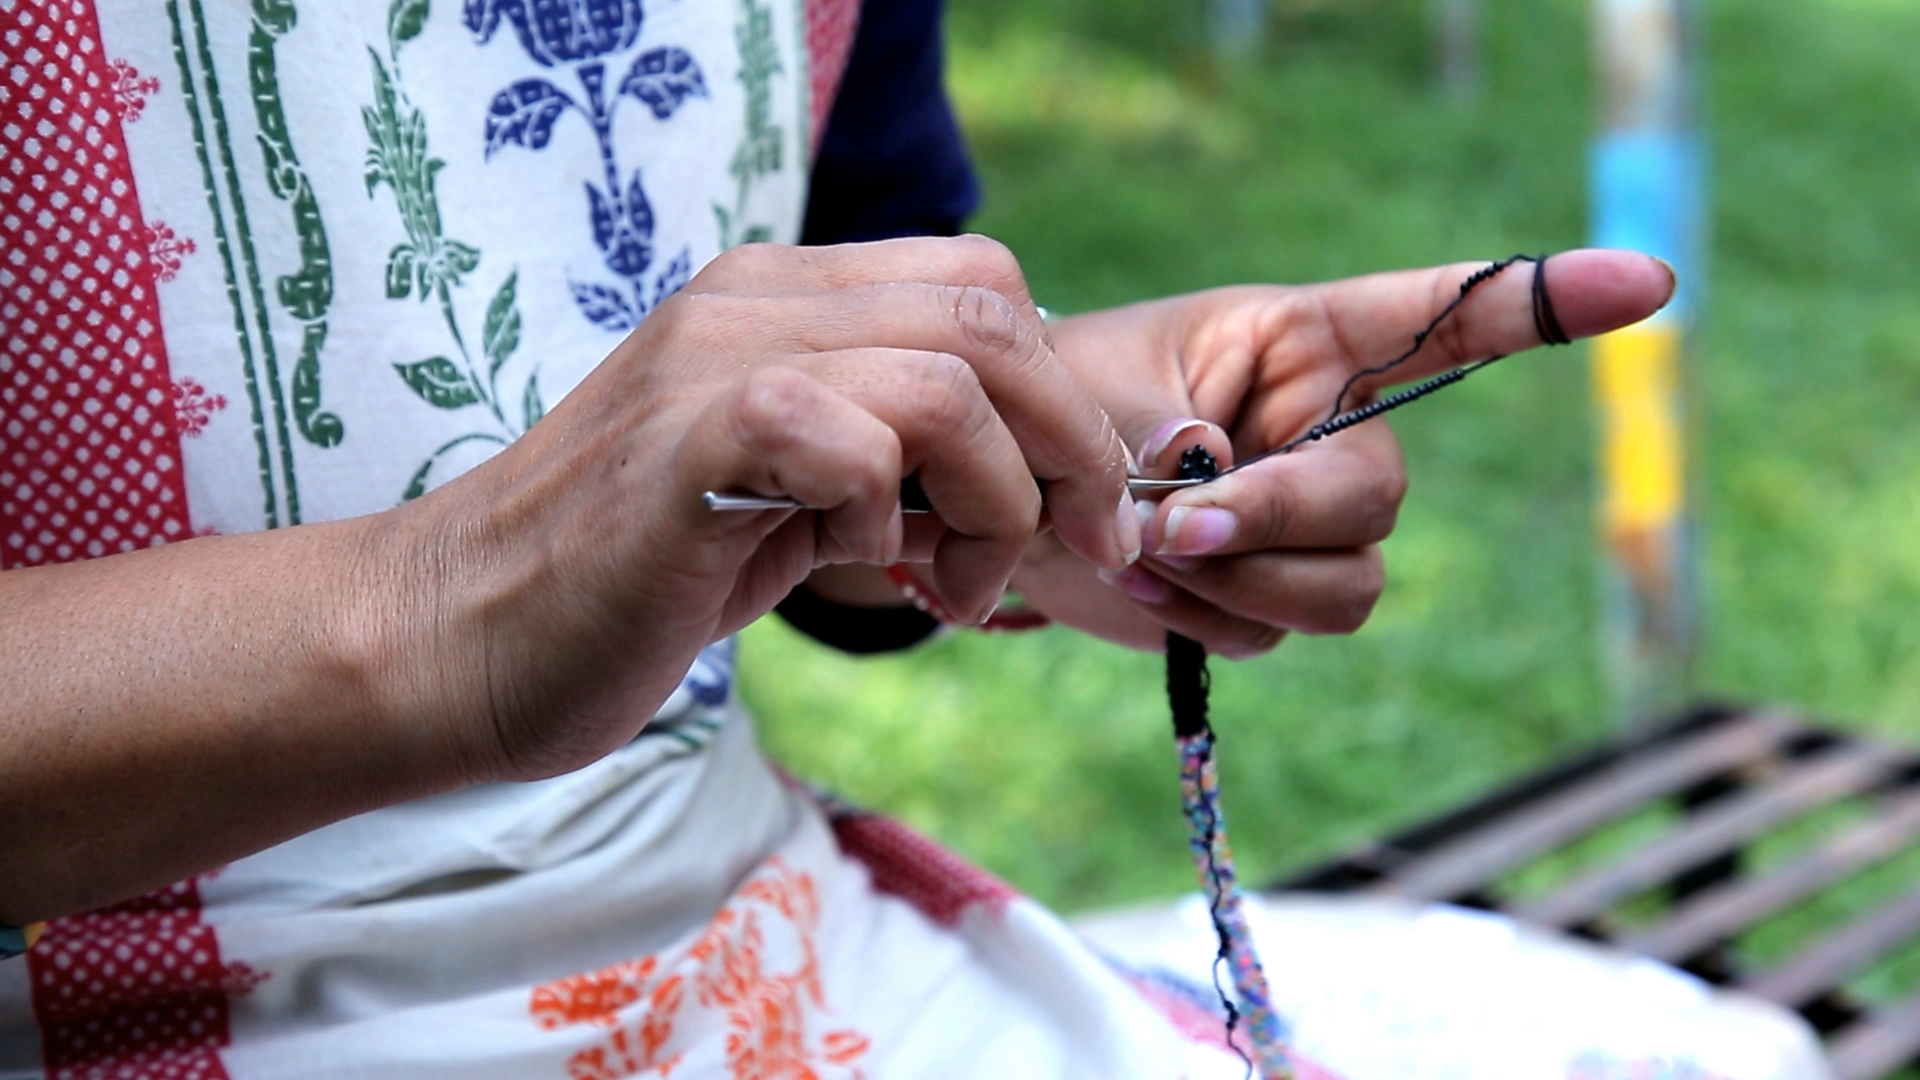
(892,162)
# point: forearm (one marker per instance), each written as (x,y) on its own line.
(170,710)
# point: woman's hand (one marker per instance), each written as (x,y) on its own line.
(175,708)
(1291,543)
(577,573)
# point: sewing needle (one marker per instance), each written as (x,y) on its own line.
(912,499)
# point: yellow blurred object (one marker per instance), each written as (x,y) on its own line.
(1636,384)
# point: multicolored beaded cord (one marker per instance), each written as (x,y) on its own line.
(1213,857)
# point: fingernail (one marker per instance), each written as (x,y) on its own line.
(1144,511)
(991,610)
(1186,564)
(1163,438)
(1673,280)
(1197,530)
(1126,531)
(896,537)
(1138,584)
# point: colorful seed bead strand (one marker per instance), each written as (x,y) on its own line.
(1213,858)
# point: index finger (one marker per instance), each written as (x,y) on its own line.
(1370,320)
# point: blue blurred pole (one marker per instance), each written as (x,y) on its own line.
(1457,30)
(1646,195)
(1236,27)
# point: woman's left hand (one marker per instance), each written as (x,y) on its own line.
(1290,544)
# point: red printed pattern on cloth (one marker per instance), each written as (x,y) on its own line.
(767,1014)
(89,456)
(135,990)
(910,866)
(830,29)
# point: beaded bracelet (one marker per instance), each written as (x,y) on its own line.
(15,941)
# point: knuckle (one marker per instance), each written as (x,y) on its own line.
(745,263)
(1352,610)
(1282,510)
(1381,510)
(690,315)
(1266,639)
(1249,641)
(1392,488)
(770,407)
(983,258)
(879,479)
(949,394)
(987,320)
(1452,335)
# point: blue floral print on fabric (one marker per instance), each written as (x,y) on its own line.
(585,35)
(711,677)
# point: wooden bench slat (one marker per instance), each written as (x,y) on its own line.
(1719,828)
(1466,864)
(1720,913)
(1878,1044)
(1821,966)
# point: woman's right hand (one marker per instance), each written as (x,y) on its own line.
(563,588)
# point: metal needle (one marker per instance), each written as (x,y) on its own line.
(912,499)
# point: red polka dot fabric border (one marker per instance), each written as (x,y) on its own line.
(830,29)
(135,990)
(89,448)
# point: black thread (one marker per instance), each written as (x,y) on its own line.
(1187,678)
(1187,685)
(1546,323)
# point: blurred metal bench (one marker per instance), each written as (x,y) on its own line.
(1729,780)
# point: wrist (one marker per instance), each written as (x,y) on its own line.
(408,640)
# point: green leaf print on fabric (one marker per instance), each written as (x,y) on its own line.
(400,273)
(417,486)
(531,407)
(306,293)
(405,20)
(760,151)
(432,266)
(439,383)
(502,333)
(322,428)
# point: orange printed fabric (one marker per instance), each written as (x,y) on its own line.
(755,972)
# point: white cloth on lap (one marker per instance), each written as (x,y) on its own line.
(1387,990)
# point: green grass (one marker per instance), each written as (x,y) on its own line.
(1118,167)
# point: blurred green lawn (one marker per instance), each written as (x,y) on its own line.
(1119,168)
